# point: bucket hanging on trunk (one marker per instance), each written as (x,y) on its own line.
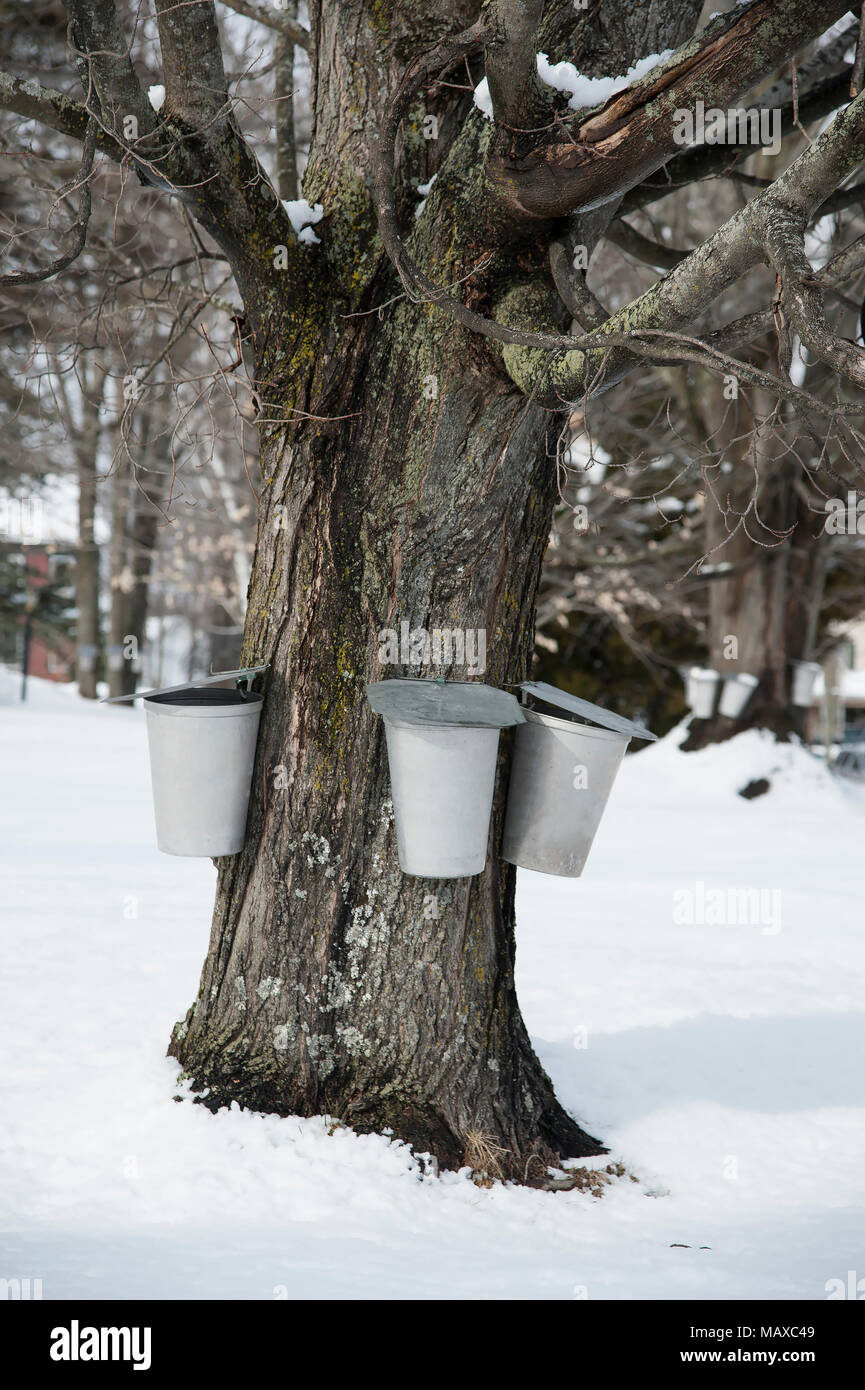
(202,748)
(736,694)
(442,745)
(562,772)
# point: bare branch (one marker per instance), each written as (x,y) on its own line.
(573,291)
(642,248)
(286,144)
(847,263)
(272,18)
(54,109)
(511,65)
(842,267)
(194,151)
(105,64)
(859,65)
(802,295)
(195,85)
(651,343)
(82,183)
(698,280)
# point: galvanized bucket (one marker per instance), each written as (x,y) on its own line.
(805,675)
(562,774)
(202,748)
(736,694)
(442,745)
(701,688)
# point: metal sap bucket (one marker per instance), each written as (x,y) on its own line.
(202,748)
(701,688)
(805,675)
(736,694)
(561,777)
(442,746)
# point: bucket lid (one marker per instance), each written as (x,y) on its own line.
(551,695)
(204,697)
(244,673)
(702,673)
(467,703)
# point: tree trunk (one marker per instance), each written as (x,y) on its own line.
(763,609)
(334,983)
(771,605)
(87,632)
(136,513)
(405,479)
(286,146)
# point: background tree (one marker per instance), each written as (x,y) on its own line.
(113,415)
(659,556)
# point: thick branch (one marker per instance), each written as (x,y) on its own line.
(195,85)
(209,166)
(54,109)
(714,161)
(802,295)
(573,291)
(108,76)
(668,306)
(707,272)
(283,84)
(511,65)
(271,18)
(634,133)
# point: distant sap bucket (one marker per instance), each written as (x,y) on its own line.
(562,774)
(442,745)
(736,694)
(805,675)
(701,691)
(202,749)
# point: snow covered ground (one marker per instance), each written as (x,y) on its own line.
(721,1059)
